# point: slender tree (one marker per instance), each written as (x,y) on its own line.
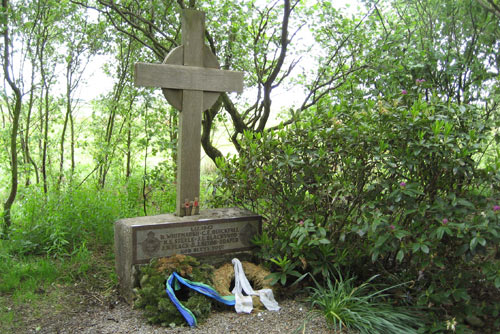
(80,43)
(16,112)
(114,109)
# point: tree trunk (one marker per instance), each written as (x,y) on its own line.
(27,132)
(72,129)
(128,170)
(65,125)
(44,117)
(208,118)
(45,138)
(25,140)
(15,123)
(119,87)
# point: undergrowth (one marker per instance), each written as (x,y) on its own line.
(346,305)
(65,237)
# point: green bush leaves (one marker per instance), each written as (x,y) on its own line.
(375,186)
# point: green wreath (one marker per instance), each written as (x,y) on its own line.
(151,295)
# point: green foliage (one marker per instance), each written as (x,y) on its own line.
(448,44)
(360,308)
(25,276)
(60,222)
(57,224)
(390,185)
(66,236)
(285,268)
(152,297)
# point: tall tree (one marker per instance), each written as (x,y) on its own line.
(81,43)
(16,112)
(259,38)
(113,107)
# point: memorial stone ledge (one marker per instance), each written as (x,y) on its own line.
(214,236)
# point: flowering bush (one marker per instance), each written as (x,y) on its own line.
(378,186)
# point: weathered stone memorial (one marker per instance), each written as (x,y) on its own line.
(191,81)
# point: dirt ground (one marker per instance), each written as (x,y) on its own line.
(80,310)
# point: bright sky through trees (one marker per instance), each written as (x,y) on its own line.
(98,82)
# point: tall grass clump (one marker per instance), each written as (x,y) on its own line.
(360,309)
(59,222)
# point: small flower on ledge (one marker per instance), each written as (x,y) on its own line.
(404,92)
(445,221)
(392,227)
(301,223)
(402,184)
(496,208)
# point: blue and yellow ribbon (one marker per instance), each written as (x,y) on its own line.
(173,284)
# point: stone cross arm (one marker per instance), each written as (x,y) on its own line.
(188,77)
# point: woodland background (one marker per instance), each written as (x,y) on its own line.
(368,135)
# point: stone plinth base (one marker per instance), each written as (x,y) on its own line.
(216,235)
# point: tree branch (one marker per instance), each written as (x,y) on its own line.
(208,118)
(490,6)
(272,77)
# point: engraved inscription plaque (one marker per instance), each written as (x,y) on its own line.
(197,238)
(213,234)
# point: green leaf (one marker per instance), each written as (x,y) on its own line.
(473,243)
(424,249)
(301,238)
(440,232)
(400,255)
(464,248)
(466,203)
(461,294)
(481,241)
(381,240)
(497,282)
(400,234)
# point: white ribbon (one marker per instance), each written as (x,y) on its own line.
(244,303)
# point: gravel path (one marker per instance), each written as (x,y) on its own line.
(122,319)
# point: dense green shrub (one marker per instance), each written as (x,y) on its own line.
(379,186)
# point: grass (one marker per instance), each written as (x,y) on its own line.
(34,287)
(360,308)
(62,239)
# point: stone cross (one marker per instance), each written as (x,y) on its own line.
(191,81)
